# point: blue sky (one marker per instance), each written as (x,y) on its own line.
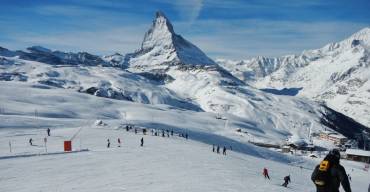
(233,29)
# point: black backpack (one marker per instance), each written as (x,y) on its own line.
(322,178)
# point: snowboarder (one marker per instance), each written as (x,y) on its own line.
(48,131)
(218,149)
(119,142)
(142,142)
(108,143)
(224,151)
(30,141)
(286,181)
(213,148)
(266,173)
(329,174)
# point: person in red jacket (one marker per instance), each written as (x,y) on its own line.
(266,173)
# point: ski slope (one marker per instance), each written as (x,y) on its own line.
(163,164)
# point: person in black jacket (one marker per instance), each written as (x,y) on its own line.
(286,181)
(336,173)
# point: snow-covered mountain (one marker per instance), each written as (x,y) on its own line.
(336,74)
(162,48)
(168,70)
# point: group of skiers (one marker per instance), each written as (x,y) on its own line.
(327,176)
(119,142)
(154,132)
(265,173)
(217,149)
(157,132)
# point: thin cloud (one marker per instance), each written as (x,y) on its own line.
(188,10)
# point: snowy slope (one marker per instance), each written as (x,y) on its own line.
(337,74)
(163,164)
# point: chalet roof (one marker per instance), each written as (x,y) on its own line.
(358,152)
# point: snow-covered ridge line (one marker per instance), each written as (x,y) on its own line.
(337,74)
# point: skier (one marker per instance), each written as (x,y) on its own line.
(218,149)
(119,142)
(142,141)
(172,132)
(186,136)
(152,131)
(266,173)
(30,141)
(135,131)
(213,148)
(127,128)
(162,133)
(144,131)
(329,174)
(108,144)
(286,181)
(48,131)
(224,151)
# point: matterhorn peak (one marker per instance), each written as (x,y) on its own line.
(162,48)
(160,34)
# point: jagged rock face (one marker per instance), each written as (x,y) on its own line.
(337,74)
(162,48)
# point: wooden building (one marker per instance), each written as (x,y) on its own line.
(358,155)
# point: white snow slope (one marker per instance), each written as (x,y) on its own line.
(163,164)
(337,74)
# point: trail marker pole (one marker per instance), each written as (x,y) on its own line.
(10,147)
(45,141)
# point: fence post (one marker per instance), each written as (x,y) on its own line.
(10,146)
(45,141)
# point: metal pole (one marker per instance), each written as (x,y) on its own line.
(46,148)
(10,146)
